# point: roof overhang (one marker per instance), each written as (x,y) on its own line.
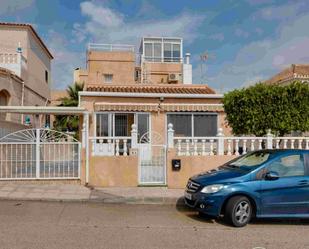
(154,107)
(150,95)
(43,110)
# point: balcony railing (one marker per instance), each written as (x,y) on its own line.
(221,145)
(110,47)
(161,59)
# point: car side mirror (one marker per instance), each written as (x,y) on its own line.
(272,175)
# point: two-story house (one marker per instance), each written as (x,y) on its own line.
(25,70)
(128,92)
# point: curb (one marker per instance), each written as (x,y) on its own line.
(117,200)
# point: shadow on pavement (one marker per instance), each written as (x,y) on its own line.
(191,213)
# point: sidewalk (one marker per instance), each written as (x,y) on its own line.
(74,192)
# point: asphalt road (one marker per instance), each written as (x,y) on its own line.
(90,225)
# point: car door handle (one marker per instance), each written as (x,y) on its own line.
(303,183)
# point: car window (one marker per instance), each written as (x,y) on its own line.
(251,159)
(286,166)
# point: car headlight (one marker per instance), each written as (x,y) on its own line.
(212,188)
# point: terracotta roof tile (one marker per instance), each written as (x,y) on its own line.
(288,73)
(180,89)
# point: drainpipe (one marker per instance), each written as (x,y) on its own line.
(22,99)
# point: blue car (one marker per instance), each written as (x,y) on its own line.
(264,183)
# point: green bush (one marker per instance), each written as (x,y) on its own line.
(256,109)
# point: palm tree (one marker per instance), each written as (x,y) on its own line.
(69,122)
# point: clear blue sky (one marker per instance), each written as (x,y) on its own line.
(248,40)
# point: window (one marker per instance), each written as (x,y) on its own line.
(46,76)
(171,52)
(108,78)
(102,125)
(167,52)
(205,125)
(193,125)
(162,50)
(251,159)
(182,124)
(120,124)
(142,127)
(286,166)
(123,124)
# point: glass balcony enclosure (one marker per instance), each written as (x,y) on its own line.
(162,49)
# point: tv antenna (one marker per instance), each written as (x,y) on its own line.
(204,57)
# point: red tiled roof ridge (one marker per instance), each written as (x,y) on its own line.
(186,89)
(28,25)
(288,73)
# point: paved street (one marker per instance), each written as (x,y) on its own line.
(93,225)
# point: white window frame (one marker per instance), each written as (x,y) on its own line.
(163,40)
(192,120)
(106,75)
(111,122)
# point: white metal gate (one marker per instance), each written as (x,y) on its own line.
(152,160)
(39,154)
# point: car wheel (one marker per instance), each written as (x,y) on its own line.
(238,211)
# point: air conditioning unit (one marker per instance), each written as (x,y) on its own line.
(173,77)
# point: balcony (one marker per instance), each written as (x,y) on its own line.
(13,61)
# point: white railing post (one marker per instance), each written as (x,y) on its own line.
(237,147)
(220,142)
(269,139)
(134,136)
(170,136)
(125,149)
(37,154)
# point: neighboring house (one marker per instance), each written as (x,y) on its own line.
(299,72)
(25,65)
(126,95)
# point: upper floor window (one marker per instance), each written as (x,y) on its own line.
(171,52)
(162,49)
(108,78)
(46,76)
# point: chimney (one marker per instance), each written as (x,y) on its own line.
(187,58)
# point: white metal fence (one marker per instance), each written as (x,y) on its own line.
(39,154)
(152,161)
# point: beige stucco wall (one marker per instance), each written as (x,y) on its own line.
(121,171)
(12,87)
(37,60)
(112,171)
(158,72)
(120,64)
(191,165)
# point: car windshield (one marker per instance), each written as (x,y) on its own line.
(250,161)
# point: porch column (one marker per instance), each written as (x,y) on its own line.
(134,136)
(220,142)
(170,136)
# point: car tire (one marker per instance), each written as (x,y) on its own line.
(238,211)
